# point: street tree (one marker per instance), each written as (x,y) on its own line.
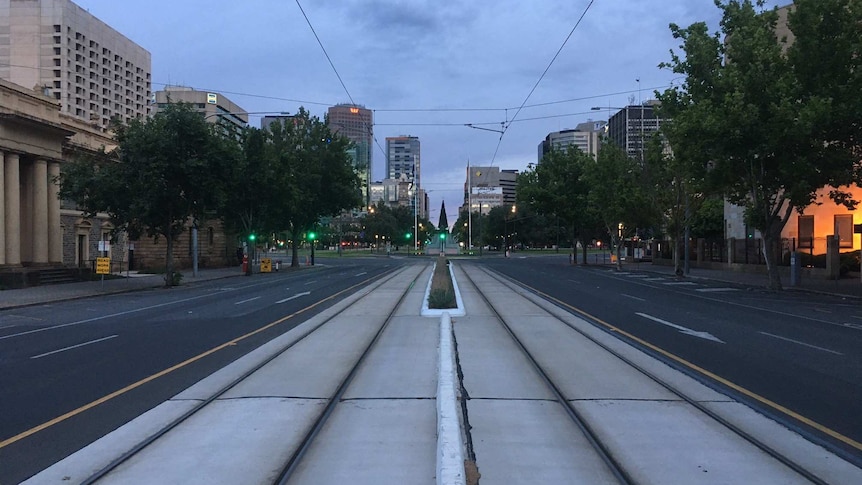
(250,197)
(157,179)
(557,186)
(616,196)
(776,121)
(312,173)
(674,185)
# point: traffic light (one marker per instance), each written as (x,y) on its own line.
(251,237)
(442,235)
(312,236)
(408,235)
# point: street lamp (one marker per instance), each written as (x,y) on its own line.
(506,231)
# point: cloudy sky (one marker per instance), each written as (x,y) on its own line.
(426,67)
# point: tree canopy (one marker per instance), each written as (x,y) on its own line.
(775,121)
(155,180)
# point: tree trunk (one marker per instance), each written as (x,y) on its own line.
(169,259)
(294,254)
(769,254)
(584,246)
(619,254)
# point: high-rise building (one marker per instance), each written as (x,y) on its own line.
(586,137)
(488,187)
(403,163)
(403,157)
(266,121)
(631,128)
(63,51)
(214,107)
(356,123)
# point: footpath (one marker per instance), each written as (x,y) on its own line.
(119,283)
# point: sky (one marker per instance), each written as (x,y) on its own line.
(426,68)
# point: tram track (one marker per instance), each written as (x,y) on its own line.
(615,463)
(104,474)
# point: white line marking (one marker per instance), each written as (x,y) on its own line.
(653,279)
(855,316)
(687,331)
(246,301)
(576,282)
(294,296)
(311,282)
(800,343)
(73,347)
(636,275)
(362,273)
(714,290)
(680,283)
(632,297)
(94,319)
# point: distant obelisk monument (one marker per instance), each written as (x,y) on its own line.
(443,223)
(445,243)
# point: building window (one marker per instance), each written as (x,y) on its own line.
(844,230)
(806,231)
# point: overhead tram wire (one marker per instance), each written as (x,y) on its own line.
(509,122)
(340,80)
(412,110)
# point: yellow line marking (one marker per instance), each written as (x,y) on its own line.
(104,399)
(778,407)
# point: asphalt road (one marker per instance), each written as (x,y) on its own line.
(72,372)
(793,356)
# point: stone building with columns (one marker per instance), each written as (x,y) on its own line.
(36,233)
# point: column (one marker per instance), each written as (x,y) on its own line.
(12,196)
(3,228)
(55,229)
(40,212)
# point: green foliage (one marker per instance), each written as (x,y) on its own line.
(557,186)
(284,179)
(392,223)
(158,178)
(618,193)
(708,221)
(772,128)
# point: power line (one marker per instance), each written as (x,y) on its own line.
(506,127)
(332,64)
(324,52)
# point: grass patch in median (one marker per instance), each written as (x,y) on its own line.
(442,294)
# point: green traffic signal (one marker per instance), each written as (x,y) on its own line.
(408,235)
(442,235)
(251,237)
(312,236)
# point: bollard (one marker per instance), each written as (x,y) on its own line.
(795,269)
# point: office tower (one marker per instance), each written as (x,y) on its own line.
(214,107)
(356,123)
(61,50)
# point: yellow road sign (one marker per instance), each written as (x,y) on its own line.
(103,265)
(266,265)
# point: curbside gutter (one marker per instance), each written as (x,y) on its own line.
(450,446)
